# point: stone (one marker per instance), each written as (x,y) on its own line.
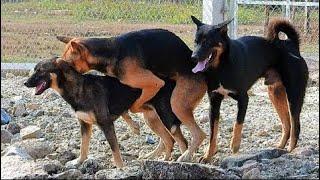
(19,110)
(263,154)
(304,151)
(150,139)
(13,127)
(90,166)
(32,106)
(52,167)
(130,171)
(36,148)
(176,170)
(15,167)
(16,151)
(252,174)
(6,136)
(30,132)
(69,174)
(5,117)
(16,138)
(37,113)
(66,156)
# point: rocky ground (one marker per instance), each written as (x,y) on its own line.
(44,134)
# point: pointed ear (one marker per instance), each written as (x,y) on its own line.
(223,27)
(64,39)
(76,46)
(196,21)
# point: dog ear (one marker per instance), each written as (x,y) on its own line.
(64,39)
(223,27)
(196,21)
(76,46)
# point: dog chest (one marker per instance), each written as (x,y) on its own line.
(223,91)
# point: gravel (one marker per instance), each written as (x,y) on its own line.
(262,130)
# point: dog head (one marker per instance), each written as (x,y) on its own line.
(49,73)
(77,54)
(210,42)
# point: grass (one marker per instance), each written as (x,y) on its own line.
(28,28)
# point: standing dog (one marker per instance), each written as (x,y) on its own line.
(101,100)
(139,59)
(233,66)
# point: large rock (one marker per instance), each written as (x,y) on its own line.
(17,167)
(66,156)
(69,174)
(5,117)
(6,136)
(52,167)
(16,151)
(30,132)
(237,161)
(130,171)
(13,127)
(19,110)
(36,148)
(90,166)
(175,170)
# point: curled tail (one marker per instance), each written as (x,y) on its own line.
(281,25)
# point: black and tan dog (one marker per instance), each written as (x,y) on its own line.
(101,100)
(140,59)
(233,66)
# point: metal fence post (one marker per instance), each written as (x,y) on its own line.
(233,13)
(213,11)
(288,9)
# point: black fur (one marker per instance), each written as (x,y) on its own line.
(247,59)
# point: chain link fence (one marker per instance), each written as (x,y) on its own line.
(254,16)
(29,27)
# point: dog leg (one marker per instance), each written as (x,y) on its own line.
(137,77)
(278,97)
(109,132)
(86,132)
(215,103)
(155,153)
(132,124)
(237,128)
(186,95)
(179,138)
(153,121)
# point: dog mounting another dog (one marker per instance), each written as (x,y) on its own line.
(233,66)
(101,100)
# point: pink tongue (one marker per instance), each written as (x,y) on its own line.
(200,66)
(40,87)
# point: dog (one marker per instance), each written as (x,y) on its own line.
(101,100)
(140,59)
(233,66)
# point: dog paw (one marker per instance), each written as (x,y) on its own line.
(185,157)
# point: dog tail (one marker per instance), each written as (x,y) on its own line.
(282,25)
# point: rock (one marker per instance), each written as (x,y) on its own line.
(19,110)
(14,167)
(37,113)
(13,127)
(175,170)
(248,165)
(16,151)
(52,167)
(130,171)
(66,156)
(5,117)
(125,137)
(252,174)
(36,148)
(6,136)
(304,151)
(69,174)
(32,106)
(16,138)
(30,132)
(52,156)
(90,166)
(263,154)
(150,139)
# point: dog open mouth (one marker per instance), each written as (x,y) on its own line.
(203,65)
(40,88)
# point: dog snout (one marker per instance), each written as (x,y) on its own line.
(194,57)
(26,83)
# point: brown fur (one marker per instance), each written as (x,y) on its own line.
(219,50)
(86,132)
(236,137)
(212,149)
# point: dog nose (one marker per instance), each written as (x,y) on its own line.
(26,83)
(194,57)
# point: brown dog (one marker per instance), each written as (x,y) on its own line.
(139,59)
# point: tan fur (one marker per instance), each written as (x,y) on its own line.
(87,117)
(186,95)
(133,125)
(137,77)
(85,140)
(219,50)
(54,83)
(179,138)
(212,149)
(236,137)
